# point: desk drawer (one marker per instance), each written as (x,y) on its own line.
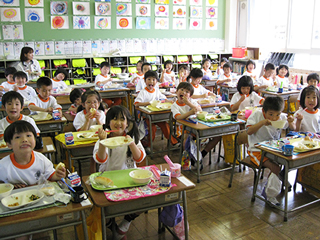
(219,131)
(113,94)
(82,151)
(164,117)
(53,127)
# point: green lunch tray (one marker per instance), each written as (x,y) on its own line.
(120,178)
(215,120)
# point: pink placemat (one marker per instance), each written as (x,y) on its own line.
(151,189)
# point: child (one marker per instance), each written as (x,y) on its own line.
(226,77)
(123,157)
(29,65)
(196,75)
(206,64)
(183,73)
(250,67)
(8,85)
(75,99)
(245,97)
(44,102)
(282,76)
(167,75)
(312,80)
(220,71)
(141,83)
(139,74)
(58,83)
(265,81)
(146,96)
(27,92)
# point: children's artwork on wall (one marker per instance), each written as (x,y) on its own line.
(161,1)
(81,8)
(195,2)
(211,24)
(77,47)
(29,44)
(212,3)
(103,8)
(86,47)
(17,46)
(1,50)
(8,48)
(161,23)
(143,1)
(195,24)
(124,22)
(179,2)
(49,48)
(59,8)
(95,47)
(39,48)
(59,48)
(103,0)
(9,3)
(81,22)
(34,15)
(33,3)
(17,31)
(179,11)
(195,12)
(123,9)
(161,10)
(179,23)
(102,22)
(59,22)
(10,15)
(104,46)
(211,12)
(143,23)
(143,10)
(7,32)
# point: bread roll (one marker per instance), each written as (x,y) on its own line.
(49,191)
(60,165)
(93,111)
(104,181)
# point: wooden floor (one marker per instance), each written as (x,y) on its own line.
(218,212)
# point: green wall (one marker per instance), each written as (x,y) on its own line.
(43,31)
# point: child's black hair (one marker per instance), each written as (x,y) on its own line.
(11,95)
(63,71)
(25,50)
(44,81)
(104,64)
(145,64)
(183,66)
(269,66)
(20,74)
(225,60)
(75,94)
(84,97)
(227,65)
(314,76)
(9,70)
(205,60)
(195,73)
(150,73)
(245,81)
(250,62)
(307,91)
(121,111)
(187,86)
(283,66)
(273,103)
(20,126)
(167,62)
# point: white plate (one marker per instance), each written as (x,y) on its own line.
(115,142)
(87,135)
(22,199)
(278,124)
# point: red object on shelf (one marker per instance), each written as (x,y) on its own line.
(239,52)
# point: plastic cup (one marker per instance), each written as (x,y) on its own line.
(176,170)
(247,113)
(287,150)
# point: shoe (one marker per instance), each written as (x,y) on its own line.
(121,235)
(271,201)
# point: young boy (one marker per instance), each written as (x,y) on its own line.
(58,84)
(141,83)
(75,98)
(27,92)
(8,85)
(199,90)
(149,94)
(226,77)
(24,166)
(312,80)
(266,80)
(44,102)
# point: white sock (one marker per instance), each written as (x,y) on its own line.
(124,225)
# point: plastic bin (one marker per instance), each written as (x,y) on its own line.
(239,52)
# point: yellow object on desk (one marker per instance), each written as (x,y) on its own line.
(61,139)
(160,106)
(38,118)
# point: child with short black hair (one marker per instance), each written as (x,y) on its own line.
(206,64)
(282,74)
(226,77)
(167,74)
(250,67)
(27,92)
(103,79)
(139,74)
(312,80)
(195,76)
(220,71)
(29,65)
(183,73)
(266,80)
(58,83)
(75,99)
(141,83)
(8,85)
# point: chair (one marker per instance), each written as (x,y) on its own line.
(173,131)
(242,138)
(292,99)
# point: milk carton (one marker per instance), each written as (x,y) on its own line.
(69,138)
(165,178)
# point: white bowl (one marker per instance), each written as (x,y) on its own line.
(5,189)
(95,128)
(278,124)
(122,75)
(140,175)
(162,90)
(155,103)
(202,114)
(42,115)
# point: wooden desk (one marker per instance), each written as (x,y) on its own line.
(211,84)
(290,163)
(51,126)
(116,93)
(69,117)
(209,107)
(227,90)
(113,209)
(285,95)
(64,101)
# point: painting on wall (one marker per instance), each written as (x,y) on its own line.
(195,2)
(161,10)
(211,24)
(81,8)
(143,10)
(102,22)
(161,1)
(143,1)
(179,11)
(179,2)
(59,22)
(124,22)
(195,24)
(34,15)
(161,23)
(81,22)
(123,9)
(195,12)
(10,15)
(103,8)
(143,23)
(179,23)
(212,3)
(211,12)
(59,8)
(9,3)
(33,3)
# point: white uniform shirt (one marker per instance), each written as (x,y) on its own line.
(5,122)
(310,121)
(285,81)
(80,119)
(117,158)
(8,85)
(167,77)
(99,78)
(264,81)
(50,102)
(27,92)
(59,85)
(33,66)
(180,109)
(298,99)
(224,77)
(207,73)
(252,74)
(147,96)
(265,133)
(199,90)
(136,75)
(141,85)
(29,174)
(251,100)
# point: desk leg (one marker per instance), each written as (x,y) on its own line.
(84,225)
(150,135)
(185,215)
(69,160)
(263,153)
(286,170)
(182,145)
(103,224)
(198,157)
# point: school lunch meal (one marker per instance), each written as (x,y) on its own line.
(87,135)
(22,199)
(305,144)
(115,142)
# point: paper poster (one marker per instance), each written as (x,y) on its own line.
(34,14)
(195,12)
(7,32)
(161,10)
(102,8)
(68,47)
(95,47)
(137,45)
(143,10)
(179,2)
(86,47)
(59,48)
(33,3)
(10,15)
(179,11)
(81,22)
(113,45)
(39,48)
(59,22)
(211,24)
(123,0)
(195,2)
(103,0)
(77,47)
(129,45)
(49,48)
(212,3)
(121,45)
(17,46)
(161,23)
(211,12)
(17,31)
(1,50)
(161,1)
(179,23)
(124,22)
(143,23)
(143,1)
(59,8)
(8,49)
(29,44)
(81,8)
(123,9)
(160,45)
(195,24)
(102,22)
(104,46)
(9,3)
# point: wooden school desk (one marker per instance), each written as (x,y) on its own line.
(51,126)
(115,93)
(285,95)
(211,83)
(224,88)
(289,163)
(69,116)
(175,195)
(64,101)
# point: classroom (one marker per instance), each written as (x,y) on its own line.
(159,119)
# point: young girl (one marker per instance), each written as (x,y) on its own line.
(206,64)
(57,81)
(282,76)
(123,157)
(199,91)
(220,70)
(29,65)
(167,75)
(183,74)
(75,99)
(139,74)
(250,66)
(245,97)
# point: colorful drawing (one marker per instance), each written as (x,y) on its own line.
(143,9)
(81,8)
(161,1)
(10,15)
(179,11)
(195,11)
(124,22)
(59,22)
(161,10)
(34,15)
(212,3)
(179,23)
(142,1)
(103,8)
(161,23)
(179,2)
(196,2)
(143,23)
(195,24)
(123,9)
(102,22)
(33,3)
(81,22)
(211,24)
(9,3)
(59,8)
(211,12)
(17,31)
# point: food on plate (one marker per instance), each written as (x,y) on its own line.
(307,138)
(310,145)
(104,181)
(49,191)
(125,140)
(204,101)
(88,135)
(13,204)
(93,111)
(33,197)
(60,165)
(3,145)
